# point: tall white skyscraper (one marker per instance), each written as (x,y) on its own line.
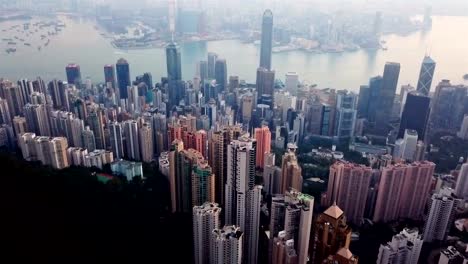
(243,198)
(404,248)
(292,81)
(205,220)
(461,189)
(226,245)
(442,207)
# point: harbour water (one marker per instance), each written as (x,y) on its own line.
(79,42)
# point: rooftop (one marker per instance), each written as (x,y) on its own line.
(334,211)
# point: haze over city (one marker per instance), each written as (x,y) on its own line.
(248,131)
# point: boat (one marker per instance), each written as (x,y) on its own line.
(10,50)
(11,43)
(27,44)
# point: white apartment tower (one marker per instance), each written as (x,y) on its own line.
(242,197)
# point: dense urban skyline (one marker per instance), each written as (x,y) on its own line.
(273,171)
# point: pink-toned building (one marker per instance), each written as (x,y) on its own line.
(348,186)
(200,142)
(403,191)
(263,137)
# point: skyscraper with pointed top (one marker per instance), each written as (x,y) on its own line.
(267,40)
(426,75)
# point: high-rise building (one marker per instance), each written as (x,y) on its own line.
(332,233)
(96,123)
(58,151)
(212,57)
(291,216)
(173,60)
(37,119)
(73,74)
(463,133)
(265,83)
(291,82)
(13,95)
(348,186)
(386,97)
(291,172)
(123,77)
(203,183)
(206,219)
(19,125)
(5,116)
(426,75)
(109,75)
(202,71)
(182,163)
(283,250)
(363,101)
(442,207)
(407,147)
(221,74)
(243,198)
(375,88)
(448,107)
(201,138)
(461,188)
(89,141)
(346,114)
(217,156)
(266,44)
(233,83)
(58,92)
(271,175)
(227,245)
(132,140)
(415,114)
(263,137)
(396,197)
(116,140)
(405,247)
(146,143)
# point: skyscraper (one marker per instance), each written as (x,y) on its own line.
(396,197)
(405,247)
(425,75)
(227,245)
(415,114)
(448,107)
(375,88)
(243,198)
(292,215)
(291,172)
(37,119)
(116,140)
(346,114)
(96,123)
(58,153)
(205,220)
(331,234)
(173,60)
(461,188)
(132,140)
(123,77)
(211,67)
(89,141)
(221,74)
(218,159)
(109,75)
(203,183)
(442,207)
(146,143)
(385,100)
(263,137)
(348,186)
(73,74)
(266,44)
(265,83)
(283,250)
